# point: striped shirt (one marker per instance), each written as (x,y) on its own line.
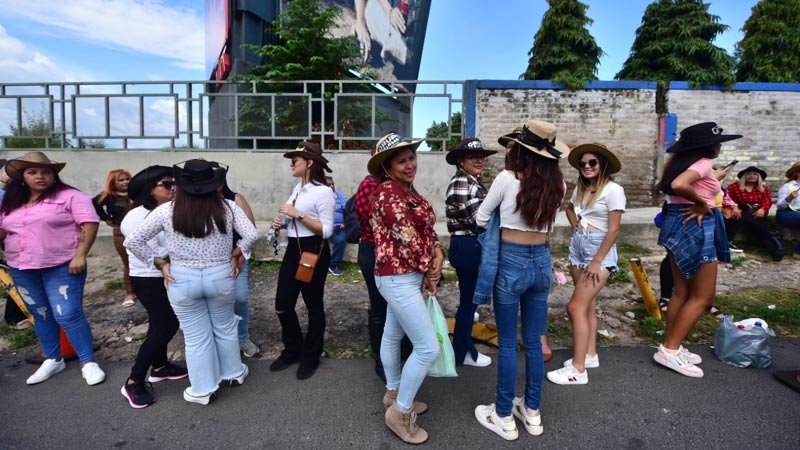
(465,194)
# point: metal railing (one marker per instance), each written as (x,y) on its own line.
(237,115)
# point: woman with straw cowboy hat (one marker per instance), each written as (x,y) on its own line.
(594,212)
(788,214)
(307,216)
(464,195)
(408,259)
(49,228)
(518,213)
(200,271)
(693,232)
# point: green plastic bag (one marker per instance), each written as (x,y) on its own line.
(445,364)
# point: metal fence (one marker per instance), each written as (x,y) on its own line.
(239,115)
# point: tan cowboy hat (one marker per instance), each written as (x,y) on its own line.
(540,138)
(504,139)
(386,147)
(614,165)
(31,159)
(467,146)
(793,170)
(309,150)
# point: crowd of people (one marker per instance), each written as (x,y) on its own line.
(185,239)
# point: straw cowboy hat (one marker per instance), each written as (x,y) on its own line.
(197,176)
(467,146)
(793,170)
(386,147)
(146,180)
(32,159)
(700,135)
(506,138)
(752,169)
(614,165)
(540,138)
(309,150)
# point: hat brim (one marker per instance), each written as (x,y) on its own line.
(614,164)
(792,171)
(559,145)
(308,155)
(453,155)
(14,166)
(376,161)
(752,169)
(197,188)
(141,180)
(681,146)
(506,138)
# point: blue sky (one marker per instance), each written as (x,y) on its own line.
(146,40)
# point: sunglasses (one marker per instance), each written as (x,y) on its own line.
(296,160)
(591,163)
(167,184)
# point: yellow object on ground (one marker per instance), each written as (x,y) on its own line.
(483,332)
(644,286)
(8,284)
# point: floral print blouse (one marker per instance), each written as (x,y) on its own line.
(402,223)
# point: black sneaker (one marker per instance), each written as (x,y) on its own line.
(285,360)
(168,372)
(138,394)
(308,366)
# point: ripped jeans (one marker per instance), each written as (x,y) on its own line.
(55,297)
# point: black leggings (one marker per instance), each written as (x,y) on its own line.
(163,325)
(313,292)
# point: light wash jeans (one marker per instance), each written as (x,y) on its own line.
(523,283)
(242,305)
(203,300)
(55,290)
(406,315)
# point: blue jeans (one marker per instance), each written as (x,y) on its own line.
(203,300)
(523,283)
(242,305)
(55,289)
(465,257)
(338,245)
(789,219)
(406,315)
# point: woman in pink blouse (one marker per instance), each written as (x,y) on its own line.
(408,259)
(48,228)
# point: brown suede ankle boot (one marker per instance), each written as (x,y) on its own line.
(391,396)
(404,425)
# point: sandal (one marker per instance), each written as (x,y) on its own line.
(714,311)
(129,302)
(663,303)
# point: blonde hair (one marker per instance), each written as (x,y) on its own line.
(759,183)
(602,180)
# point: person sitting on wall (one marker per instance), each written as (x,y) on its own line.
(789,203)
(752,196)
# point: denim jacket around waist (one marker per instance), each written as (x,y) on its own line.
(490,254)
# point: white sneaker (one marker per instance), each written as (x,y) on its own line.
(238,381)
(476,317)
(48,368)
(531,418)
(677,363)
(482,361)
(693,358)
(591,362)
(505,427)
(92,373)
(568,375)
(201,399)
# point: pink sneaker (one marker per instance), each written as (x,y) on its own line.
(677,363)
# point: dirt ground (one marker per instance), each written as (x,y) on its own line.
(118,330)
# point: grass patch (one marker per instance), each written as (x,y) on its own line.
(116,283)
(333,352)
(351,273)
(18,339)
(629,250)
(650,327)
(560,250)
(739,261)
(623,274)
(559,330)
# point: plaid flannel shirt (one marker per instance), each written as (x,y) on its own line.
(744,198)
(464,196)
(364,208)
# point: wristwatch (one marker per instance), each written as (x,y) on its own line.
(301,217)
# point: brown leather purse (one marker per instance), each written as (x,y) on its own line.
(308,260)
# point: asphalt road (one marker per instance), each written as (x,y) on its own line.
(630,402)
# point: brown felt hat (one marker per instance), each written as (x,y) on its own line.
(32,159)
(309,150)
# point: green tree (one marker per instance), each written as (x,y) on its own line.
(437,133)
(674,44)
(563,49)
(769,52)
(35,132)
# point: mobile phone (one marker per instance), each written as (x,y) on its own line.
(732,163)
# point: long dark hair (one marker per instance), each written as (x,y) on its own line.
(316,173)
(541,189)
(18,193)
(195,216)
(678,164)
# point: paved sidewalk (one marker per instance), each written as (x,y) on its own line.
(630,402)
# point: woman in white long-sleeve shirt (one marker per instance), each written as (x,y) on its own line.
(203,263)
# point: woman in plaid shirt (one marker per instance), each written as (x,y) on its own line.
(752,196)
(465,193)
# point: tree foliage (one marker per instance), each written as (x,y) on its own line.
(674,43)
(563,49)
(35,132)
(769,52)
(437,133)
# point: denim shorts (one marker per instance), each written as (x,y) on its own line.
(584,247)
(693,245)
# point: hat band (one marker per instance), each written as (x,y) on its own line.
(390,141)
(529,137)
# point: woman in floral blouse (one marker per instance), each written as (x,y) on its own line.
(408,257)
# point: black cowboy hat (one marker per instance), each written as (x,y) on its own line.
(145,180)
(309,150)
(701,135)
(752,169)
(467,146)
(198,176)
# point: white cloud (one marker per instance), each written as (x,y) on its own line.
(145,26)
(21,63)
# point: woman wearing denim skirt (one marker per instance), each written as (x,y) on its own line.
(203,263)
(408,260)
(594,212)
(526,199)
(465,193)
(693,232)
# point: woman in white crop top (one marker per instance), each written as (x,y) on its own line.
(594,211)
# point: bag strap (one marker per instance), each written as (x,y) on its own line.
(297,233)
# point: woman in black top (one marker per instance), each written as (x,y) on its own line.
(111,205)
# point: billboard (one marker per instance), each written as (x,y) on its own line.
(218,27)
(391,33)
